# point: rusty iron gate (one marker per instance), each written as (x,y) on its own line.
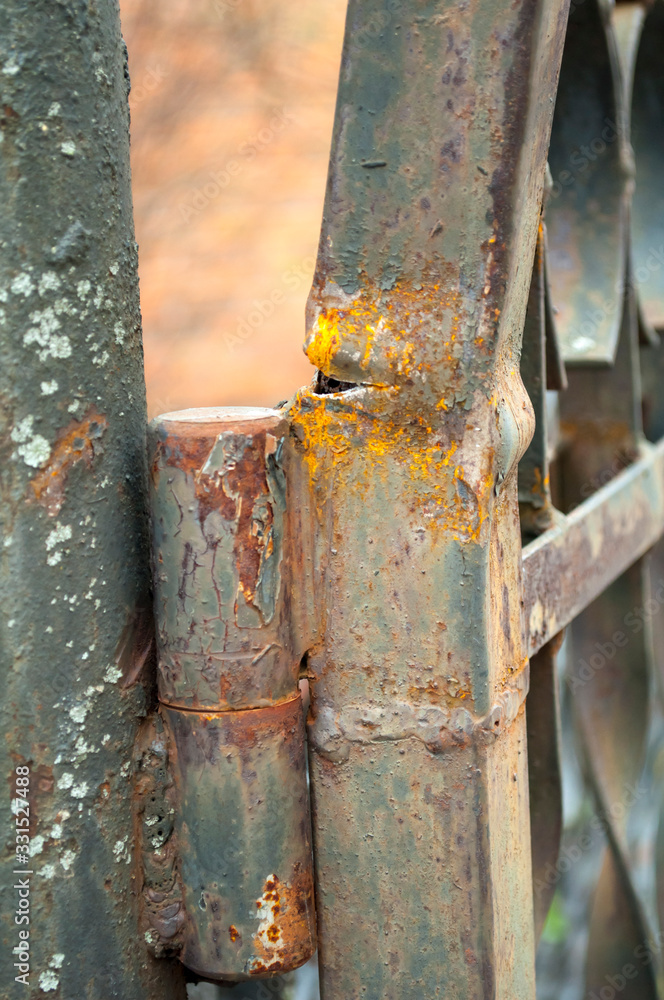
(459,519)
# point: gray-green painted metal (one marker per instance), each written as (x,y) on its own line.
(74,576)
(417,727)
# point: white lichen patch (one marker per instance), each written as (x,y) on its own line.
(121,850)
(78,713)
(49,282)
(82,749)
(57,961)
(48,388)
(112,675)
(79,791)
(65,307)
(66,781)
(61,533)
(48,871)
(33,448)
(120,333)
(48,980)
(44,334)
(67,859)
(68,148)
(11,67)
(36,845)
(23,285)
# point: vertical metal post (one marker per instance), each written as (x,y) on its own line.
(74,581)
(412,436)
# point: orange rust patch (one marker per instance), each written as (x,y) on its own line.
(286,934)
(334,439)
(390,332)
(233,933)
(78,442)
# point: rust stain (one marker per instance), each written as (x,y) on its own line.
(239,492)
(335,441)
(278,940)
(79,441)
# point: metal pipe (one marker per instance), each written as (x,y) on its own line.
(231,631)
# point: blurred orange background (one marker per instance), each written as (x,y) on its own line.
(232,108)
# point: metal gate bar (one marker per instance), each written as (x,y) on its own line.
(566,568)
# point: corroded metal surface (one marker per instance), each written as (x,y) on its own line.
(541,369)
(587,213)
(242,828)
(417,727)
(566,568)
(647,138)
(229,634)
(544,777)
(229,889)
(609,661)
(77,675)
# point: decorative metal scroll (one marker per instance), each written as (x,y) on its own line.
(602,309)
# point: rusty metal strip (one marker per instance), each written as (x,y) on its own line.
(544,775)
(587,210)
(566,568)
(608,670)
